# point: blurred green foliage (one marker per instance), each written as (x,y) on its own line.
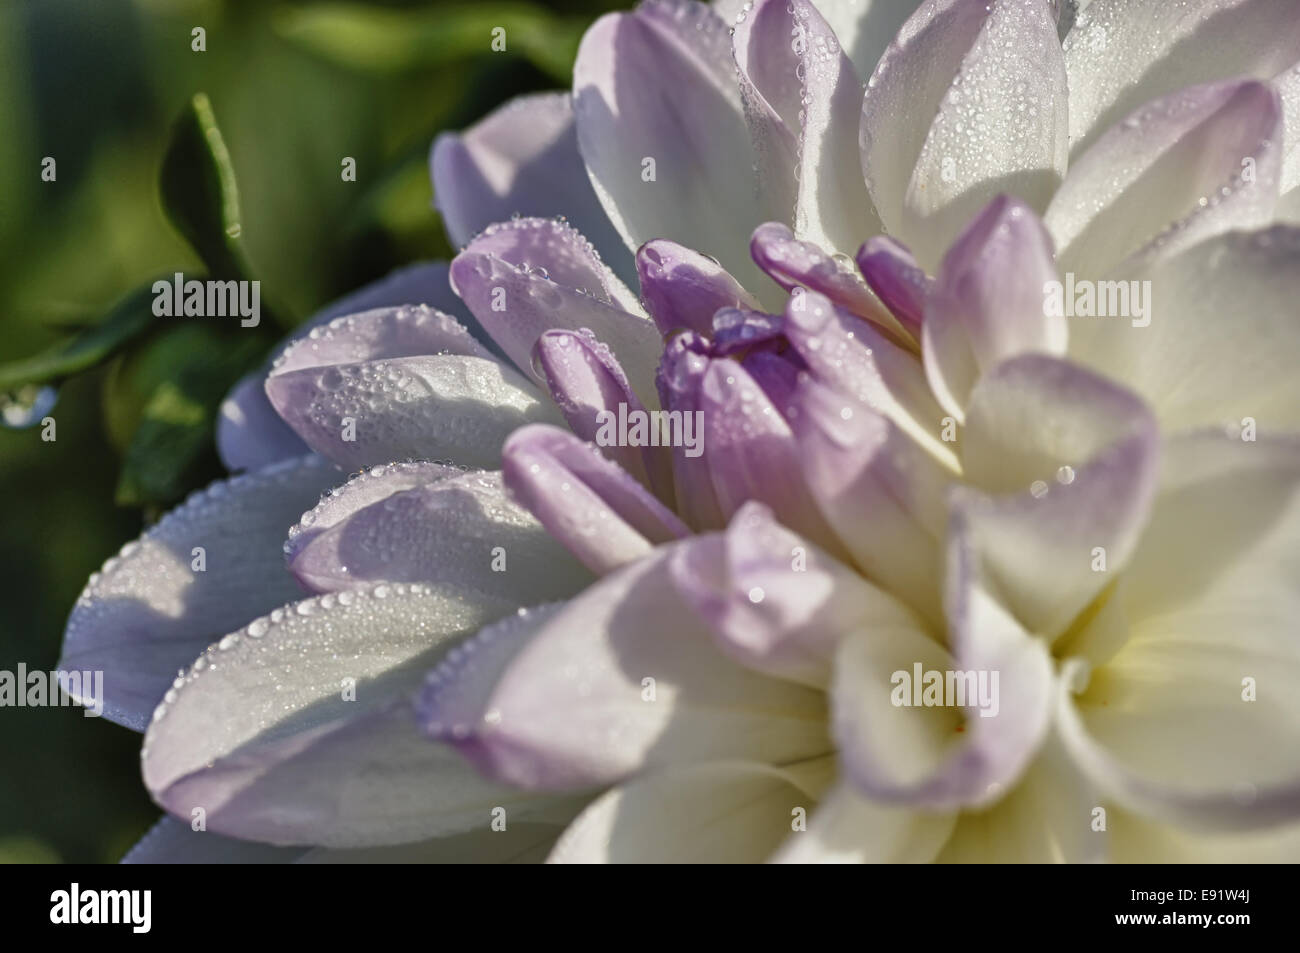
(154,178)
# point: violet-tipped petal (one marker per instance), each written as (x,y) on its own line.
(591,505)
(893,274)
(682,288)
(990,301)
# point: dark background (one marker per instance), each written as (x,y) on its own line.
(98,85)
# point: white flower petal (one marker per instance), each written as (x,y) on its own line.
(795,64)
(853,356)
(1167,726)
(554,249)
(658,84)
(1122,53)
(865,28)
(522,159)
(518,306)
(464,530)
(968,101)
(173,841)
(881,493)
(937,758)
(368,486)
(1070,462)
(379,334)
(1192,164)
(1218,342)
(715,813)
(775,601)
(151,609)
(447,407)
(1047,818)
(621,678)
(1287,84)
(296,729)
(250,434)
(986,304)
(770,91)
(1137,840)
(850,829)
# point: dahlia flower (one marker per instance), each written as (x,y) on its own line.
(870,245)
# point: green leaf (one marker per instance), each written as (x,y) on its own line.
(198,191)
(82,351)
(385,40)
(171,392)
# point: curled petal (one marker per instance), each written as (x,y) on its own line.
(752,453)
(1073,460)
(380,334)
(769,90)
(592,506)
(882,494)
(250,433)
(683,289)
(763,45)
(740,332)
(963,750)
(796,265)
(589,386)
(517,306)
(680,378)
(893,274)
(554,249)
(426,283)
(865,30)
(988,302)
(1047,818)
(853,357)
(791,62)
(778,375)
(834,207)
(775,601)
